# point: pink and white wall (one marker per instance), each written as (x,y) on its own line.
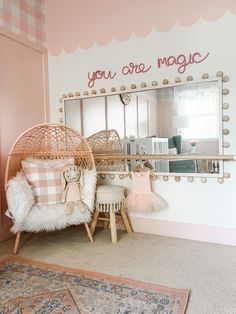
(83,37)
(86,36)
(23,79)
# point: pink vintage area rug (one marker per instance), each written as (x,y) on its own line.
(28,286)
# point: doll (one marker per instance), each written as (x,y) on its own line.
(72,186)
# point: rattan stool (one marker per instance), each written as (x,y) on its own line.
(110,203)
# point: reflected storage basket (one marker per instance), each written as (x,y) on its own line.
(107,142)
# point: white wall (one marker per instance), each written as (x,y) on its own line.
(210,204)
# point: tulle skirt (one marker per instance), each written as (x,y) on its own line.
(144,202)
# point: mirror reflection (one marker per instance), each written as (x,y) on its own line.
(183,119)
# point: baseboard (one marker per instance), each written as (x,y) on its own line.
(213,234)
(5,233)
(189,231)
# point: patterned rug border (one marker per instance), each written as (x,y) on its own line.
(121,280)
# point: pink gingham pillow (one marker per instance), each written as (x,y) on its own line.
(45,179)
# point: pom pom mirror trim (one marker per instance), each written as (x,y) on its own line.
(177,81)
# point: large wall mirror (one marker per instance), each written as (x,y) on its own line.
(180,119)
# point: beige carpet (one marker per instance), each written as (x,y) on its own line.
(208,270)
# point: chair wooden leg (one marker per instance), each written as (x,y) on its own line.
(126,221)
(106,223)
(113,226)
(17,241)
(94,222)
(88,232)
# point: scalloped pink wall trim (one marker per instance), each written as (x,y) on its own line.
(199,232)
(77,23)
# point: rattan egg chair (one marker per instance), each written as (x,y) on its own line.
(49,142)
(107,142)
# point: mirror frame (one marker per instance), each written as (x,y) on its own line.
(223,119)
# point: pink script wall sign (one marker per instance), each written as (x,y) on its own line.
(181,61)
(98,75)
(131,68)
(79,23)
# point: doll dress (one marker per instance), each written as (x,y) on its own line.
(73,193)
(141,198)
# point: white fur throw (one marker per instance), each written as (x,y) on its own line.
(19,199)
(89,188)
(32,217)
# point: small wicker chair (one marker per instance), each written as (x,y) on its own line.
(49,142)
(107,142)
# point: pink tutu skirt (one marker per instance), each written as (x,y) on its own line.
(144,202)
